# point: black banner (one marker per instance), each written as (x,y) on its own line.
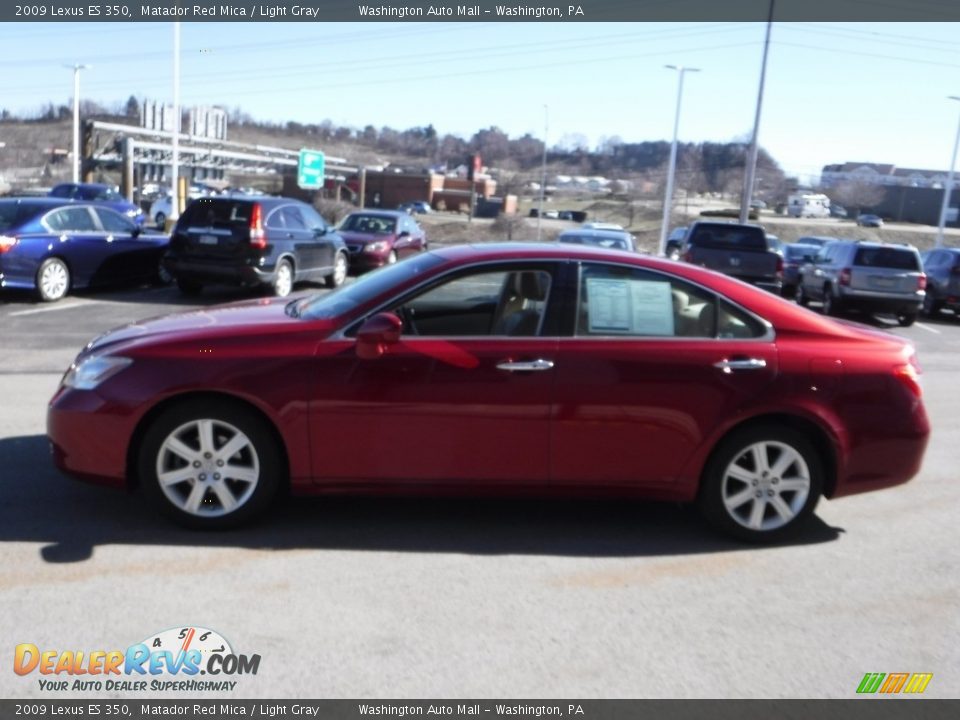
(479,11)
(878,709)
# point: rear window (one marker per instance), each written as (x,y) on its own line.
(798,252)
(887,257)
(724,237)
(207,212)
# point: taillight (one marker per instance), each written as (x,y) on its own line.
(7,243)
(922,282)
(845,276)
(258,238)
(779,266)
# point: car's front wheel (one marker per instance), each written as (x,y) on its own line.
(161,220)
(831,306)
(906,319)
(209,466)
(761,484)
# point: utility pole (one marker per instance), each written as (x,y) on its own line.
(751,168)
(672,165)
(76,119)
(948,188)
(543,167)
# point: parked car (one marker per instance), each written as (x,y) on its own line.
(795,256)
(866,276)
(419,207)
(532,368)
(837,211)
(162,207)
(600,226)
(817,240)
(874,221)
(675,242)
(742,251)
(942,268)
(381,237)
(270,242)
(52,246)
(611,239)
(105,195)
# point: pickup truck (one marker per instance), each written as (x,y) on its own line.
(741,251)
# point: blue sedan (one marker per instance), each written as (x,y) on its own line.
(99,194)
(52,246)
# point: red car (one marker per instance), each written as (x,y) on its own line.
(544,369)
(380,237)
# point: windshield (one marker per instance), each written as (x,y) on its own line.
(364,289)
(375,224)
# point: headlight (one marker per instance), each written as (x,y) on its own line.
(94,370)
(133,212)
(377,247)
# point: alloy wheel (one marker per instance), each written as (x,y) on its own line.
(766,486)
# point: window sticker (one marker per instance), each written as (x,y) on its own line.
(634,307)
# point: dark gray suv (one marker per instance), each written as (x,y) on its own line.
(866,276)
(254,241)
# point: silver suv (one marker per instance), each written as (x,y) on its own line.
(867,276)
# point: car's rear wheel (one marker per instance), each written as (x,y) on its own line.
(761,484)
(53,280)
(282,283)
(906,319)
(209,466)
(339,274)
(161,220)
(831,306)
(189,287)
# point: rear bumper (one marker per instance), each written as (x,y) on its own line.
(212,271)
(881,302)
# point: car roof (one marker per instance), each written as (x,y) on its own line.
(596,233)
(384,213)
(46,200)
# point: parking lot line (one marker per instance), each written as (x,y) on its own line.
(928,328)
(50,308)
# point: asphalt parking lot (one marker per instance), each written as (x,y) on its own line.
(423,598)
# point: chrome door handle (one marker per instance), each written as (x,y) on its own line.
(729,366)
(527,366)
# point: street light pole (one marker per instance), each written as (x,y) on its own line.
(76,119)
(747,197)
(543,167)
(948,188)
(175,159)
(672,165)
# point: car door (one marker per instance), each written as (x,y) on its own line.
(322,236)
(408,240)
(82,242)
(127,257)
(655,364)
(462,400)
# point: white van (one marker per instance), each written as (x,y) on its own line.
(808,205)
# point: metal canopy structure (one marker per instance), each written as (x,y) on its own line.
(129,146)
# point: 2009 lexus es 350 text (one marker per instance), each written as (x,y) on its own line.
(502,368)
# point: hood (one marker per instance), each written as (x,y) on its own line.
(223,320)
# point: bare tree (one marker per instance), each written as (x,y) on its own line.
(858,194)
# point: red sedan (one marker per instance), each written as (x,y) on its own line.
(514,368)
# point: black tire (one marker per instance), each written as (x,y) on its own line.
(203,487)
(283,279)
(719,490)
(802,299)
(831,306)
(163,276)
(337,278)
(906,319)
(53,280)
(160,219)
(189,287)
(931,306)
(788,291)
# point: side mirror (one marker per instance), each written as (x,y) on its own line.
(321,231)
(404,235)
(377,334)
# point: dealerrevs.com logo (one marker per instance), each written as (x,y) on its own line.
(894,683)
(187,659)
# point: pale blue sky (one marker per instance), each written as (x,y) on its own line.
(872,92)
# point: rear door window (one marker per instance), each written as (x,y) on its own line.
(71,220)
(887,257)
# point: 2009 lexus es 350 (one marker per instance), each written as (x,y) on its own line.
(502,368)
